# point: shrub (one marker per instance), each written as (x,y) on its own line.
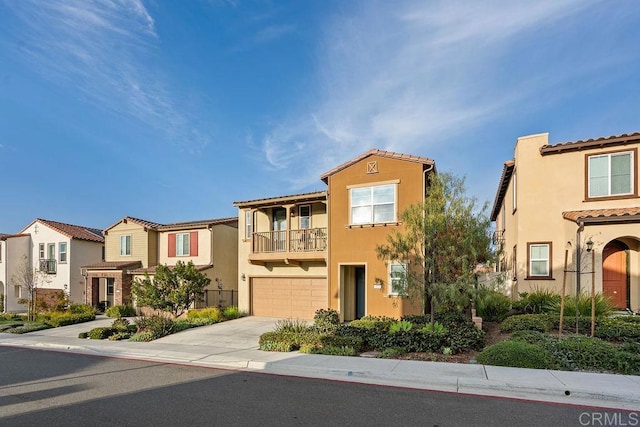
(31,327)
(391,353)
(450,318)
(326,319)
(118,336)
(527,322)
(10,316)
(64,318)
(537,302)
(157,326)
(437,328)
(492,306)
(463,337)
(618,329)
(120,324)
(402,325)
(296,326)
(101,333)
(143,336)
(120,311)
(517,354)
(371,322)
(593,354)
(213,314)
(81,309)
(334,351)
(83,335)
(231,313)
(582,306)
(282,341)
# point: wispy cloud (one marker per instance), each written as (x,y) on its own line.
(103,50)
(401,76)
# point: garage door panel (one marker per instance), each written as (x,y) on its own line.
(292,297)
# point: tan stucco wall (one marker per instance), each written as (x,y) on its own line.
(143,244)
(225,255)
(204,256)
(81,252)
(547,186)
(356,245)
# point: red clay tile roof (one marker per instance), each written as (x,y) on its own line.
(507,171)
(142,222)
(198,224)
(302,197)
(604,215)
(112,265)
(152,270)
(73,231)
(9,236)
(605,141)
(381,153)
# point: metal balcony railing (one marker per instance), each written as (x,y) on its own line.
(48,266)
(305,240)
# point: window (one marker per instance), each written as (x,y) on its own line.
(515,192)
(51,251)
(16,291)
(611,174)
(182,244)
(397,279)
(514,265)
(248,224)
(0,251)
(539,263)
(110,283)
(62,251)
(41,251)
(372,205)
(305,216)
(125,245)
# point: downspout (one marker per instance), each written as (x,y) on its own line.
(424,257)
(578,269)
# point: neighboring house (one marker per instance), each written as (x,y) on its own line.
(134,247)
(13,249)
(55,251)
(309,251)
(574,200)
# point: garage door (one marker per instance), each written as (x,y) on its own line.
(290,297)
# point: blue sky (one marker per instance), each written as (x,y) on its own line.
(172,110)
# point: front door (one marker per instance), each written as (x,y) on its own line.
(360,289)
(614,273)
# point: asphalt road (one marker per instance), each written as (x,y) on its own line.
(39,388)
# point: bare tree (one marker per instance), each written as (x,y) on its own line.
(29,280)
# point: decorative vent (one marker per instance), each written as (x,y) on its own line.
(372,167)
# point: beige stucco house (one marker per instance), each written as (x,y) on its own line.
(303,252)
(134,247)
(577,200)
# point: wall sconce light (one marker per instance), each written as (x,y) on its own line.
(589,245)
(243,277)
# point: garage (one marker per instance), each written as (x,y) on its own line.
(289,297)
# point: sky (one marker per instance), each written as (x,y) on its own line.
(172,110)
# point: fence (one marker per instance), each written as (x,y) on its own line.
(220,298)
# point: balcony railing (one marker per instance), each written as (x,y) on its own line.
(306,240)
(498,237)
(48,266)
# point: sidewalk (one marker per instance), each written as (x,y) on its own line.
(233,345)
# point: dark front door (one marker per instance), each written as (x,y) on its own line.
(360,289)
(614,274)
(95,291)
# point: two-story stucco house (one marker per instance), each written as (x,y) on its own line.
(304,252)
(577,200)
(135,247)
(55,251)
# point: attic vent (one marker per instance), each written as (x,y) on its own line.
(372,167)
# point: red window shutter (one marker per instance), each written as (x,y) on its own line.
(193,243)
(172,245)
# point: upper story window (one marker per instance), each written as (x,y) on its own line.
(248,224)
(397,279)
(304,212)
(539,265)
(41,251)
(62,251)
(182,244)
(611,175)
(51,251)
(125,245)
(0,251)
(515,192)
(375,204)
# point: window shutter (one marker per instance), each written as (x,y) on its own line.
(193,242)
(172,245)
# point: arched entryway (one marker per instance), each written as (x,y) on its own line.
(615,273)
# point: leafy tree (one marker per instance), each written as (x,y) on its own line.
(172,289)
(29,280)
(443,239)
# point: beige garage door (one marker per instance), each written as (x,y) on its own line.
(292,297)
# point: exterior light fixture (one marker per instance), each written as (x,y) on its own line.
(589,245)
(243,277)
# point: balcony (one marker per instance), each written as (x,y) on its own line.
(48,266)
(290,247)
(498,237)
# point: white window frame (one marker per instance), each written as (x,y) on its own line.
(110,286)
(532,260)
(515,192)
(125,245)
(62,254)
(307,217)
(372,204)
(248,224)
(181,240)
(393,288)
(41,252)
(17,291)
(609,156)
(51,254)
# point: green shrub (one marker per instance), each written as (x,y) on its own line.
(157,326)
(143,336)
(64,318)
(295,326)
(231,313)
(593,354)
(121,324)
(101,333)
(391,353)
(214,314)
(582,306)
(463,337)
(451,318)
(280,341)
(29,327)
(527,322)
(10,316)
(120,311)
(437,328)
(531,337)
(492,306)
(537,302)
(326,319)
(402,325)
(371,322)
(81,309)
(83,335)
(119,336)
(517,354)
(10,325)
(618,329)
(335,351)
